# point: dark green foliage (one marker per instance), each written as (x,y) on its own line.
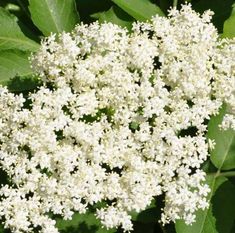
(115,15)
(224,207)
(88,7)
(221,8)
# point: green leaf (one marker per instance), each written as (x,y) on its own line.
(224,207)
(205,221)
(11,36)
(229,25)
(82,223)
(223,155)
(115,15)
(13,63)
(139,9)
(54,16)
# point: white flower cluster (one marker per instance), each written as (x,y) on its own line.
(120,119)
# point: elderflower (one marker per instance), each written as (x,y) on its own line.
(120,119)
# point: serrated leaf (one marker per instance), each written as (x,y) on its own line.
(223,155)
(54,16)
(82,223)
(229,25)
(11,36)
(139,9)
(205,221)
(115,15)
(13,63)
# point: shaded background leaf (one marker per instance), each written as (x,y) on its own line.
(88,7)
(233,228)
(150,214)
(13,63)
(115,15)
(164,5)
(143,227)
(223,203)
(221,8)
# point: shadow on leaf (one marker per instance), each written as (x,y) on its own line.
(81,228)
(21,84)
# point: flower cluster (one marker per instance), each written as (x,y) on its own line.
(120,119)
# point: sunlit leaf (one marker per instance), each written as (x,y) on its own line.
(223,155)
(205,221)
(11,36)
(229,25)
(139,9)
(13,63)
(54,16)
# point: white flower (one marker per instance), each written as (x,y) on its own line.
(122,122)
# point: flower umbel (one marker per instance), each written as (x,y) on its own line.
(120,119)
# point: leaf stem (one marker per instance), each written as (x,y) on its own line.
(228,174)
(175,3)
